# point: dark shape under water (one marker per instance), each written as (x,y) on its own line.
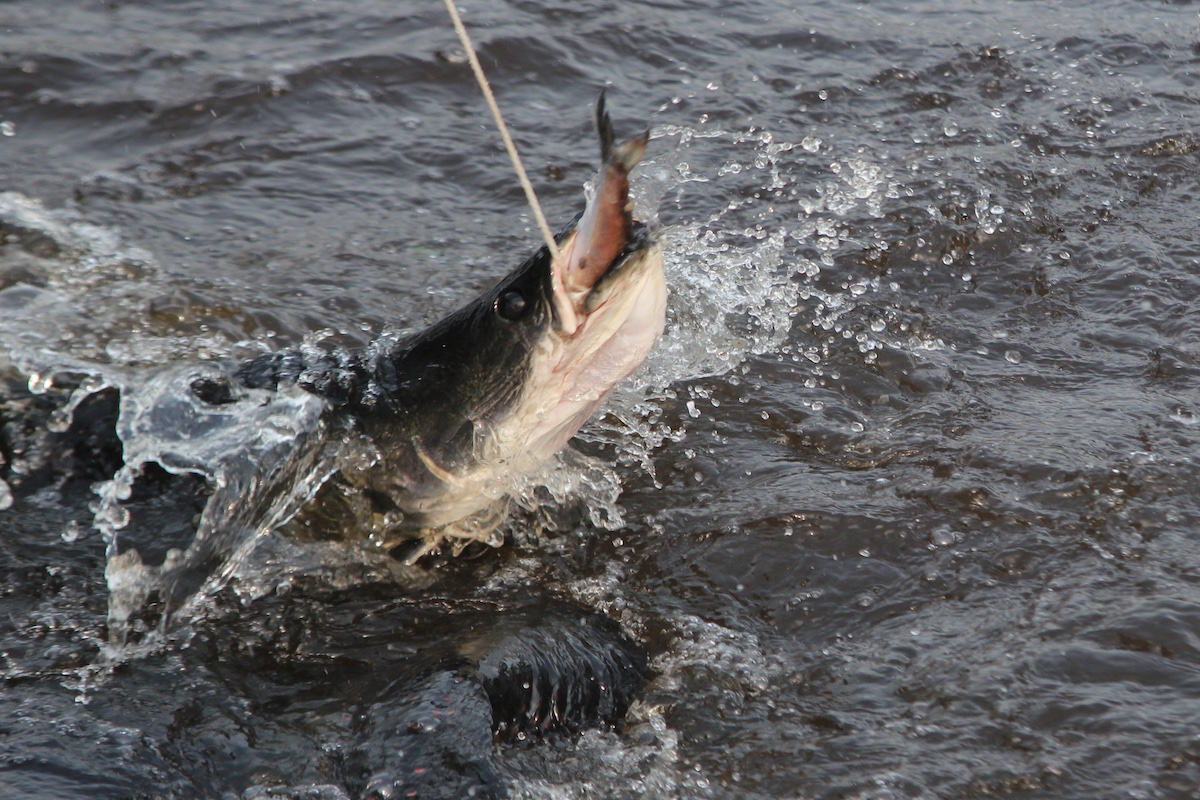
(542,669)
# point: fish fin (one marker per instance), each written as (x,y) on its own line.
(604,128)
(628,153)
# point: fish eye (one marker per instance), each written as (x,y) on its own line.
(511,305)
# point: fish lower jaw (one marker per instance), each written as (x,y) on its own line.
(617,335)
(570,381)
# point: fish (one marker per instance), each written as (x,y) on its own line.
(497,388)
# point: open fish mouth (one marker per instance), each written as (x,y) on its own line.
(605,236)
(608,301)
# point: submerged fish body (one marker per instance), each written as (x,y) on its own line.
(497,388)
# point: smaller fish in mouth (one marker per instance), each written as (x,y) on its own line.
(606,228)
(492,392)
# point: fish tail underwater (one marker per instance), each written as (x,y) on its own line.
(846,449)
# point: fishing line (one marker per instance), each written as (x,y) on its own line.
(508,142)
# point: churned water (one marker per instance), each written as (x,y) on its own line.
(903,505)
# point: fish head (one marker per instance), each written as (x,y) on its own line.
(498,387)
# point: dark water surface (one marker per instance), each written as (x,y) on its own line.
(909,502)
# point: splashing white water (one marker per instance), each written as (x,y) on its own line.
(736,276)
(263,457)
(750,206)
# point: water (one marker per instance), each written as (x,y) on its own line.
(907,494)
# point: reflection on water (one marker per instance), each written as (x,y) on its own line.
(902,505)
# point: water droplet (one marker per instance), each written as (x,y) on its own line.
(6,498)
(944,537)
(71,532)
(8,128)
(950,129)
(40,384)
(1012,356)
(59,421)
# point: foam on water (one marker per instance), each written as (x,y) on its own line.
(645,761)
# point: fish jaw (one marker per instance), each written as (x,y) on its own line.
(571,376)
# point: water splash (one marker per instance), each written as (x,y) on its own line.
(263,456)
(737,268)
(88,288)
(81,297)
(60,420)
(750,223)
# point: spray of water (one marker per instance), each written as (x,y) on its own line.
(738,268)
(734,229)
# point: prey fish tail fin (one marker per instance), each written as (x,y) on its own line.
(604,128)
(624,156)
